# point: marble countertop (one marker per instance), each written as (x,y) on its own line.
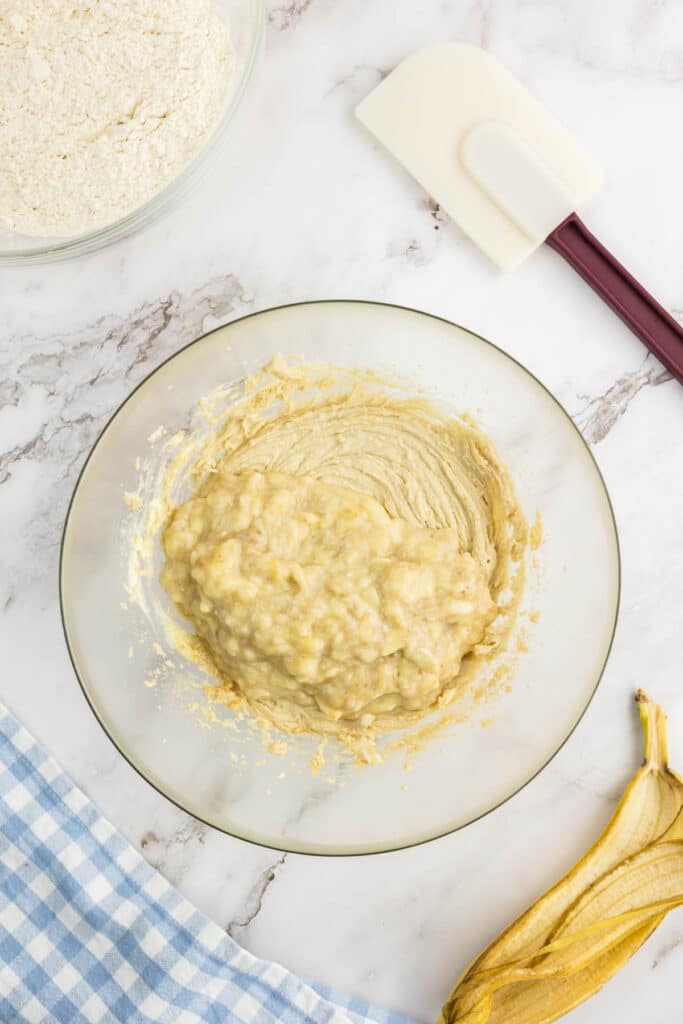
(305,206)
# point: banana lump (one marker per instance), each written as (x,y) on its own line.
(347,555)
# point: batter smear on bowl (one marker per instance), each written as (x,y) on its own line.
(348,556)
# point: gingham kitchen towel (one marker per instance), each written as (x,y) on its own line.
(89,931)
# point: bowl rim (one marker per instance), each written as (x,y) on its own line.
(135,220)
(296,847)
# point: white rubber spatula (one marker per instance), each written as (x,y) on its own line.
(507,173)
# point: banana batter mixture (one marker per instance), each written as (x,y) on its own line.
(348,556)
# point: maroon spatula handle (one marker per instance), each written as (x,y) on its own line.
(620,290)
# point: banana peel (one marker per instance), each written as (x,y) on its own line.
(574,938)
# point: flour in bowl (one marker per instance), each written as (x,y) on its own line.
(102,103)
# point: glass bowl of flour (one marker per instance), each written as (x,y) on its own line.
(110,113)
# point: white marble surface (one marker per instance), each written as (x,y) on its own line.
(306,207)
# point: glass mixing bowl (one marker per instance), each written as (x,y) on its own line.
(246,21)
(221,773)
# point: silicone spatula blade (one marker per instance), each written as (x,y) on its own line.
(507,173)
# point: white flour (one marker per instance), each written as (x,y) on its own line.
(102,102)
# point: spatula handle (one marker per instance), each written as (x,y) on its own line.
(620,290)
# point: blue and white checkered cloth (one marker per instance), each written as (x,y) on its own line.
(89,931)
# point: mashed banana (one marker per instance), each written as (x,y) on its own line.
(346,554)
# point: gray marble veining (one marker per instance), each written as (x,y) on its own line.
(306,206)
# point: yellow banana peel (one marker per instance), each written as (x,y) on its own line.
(574,938)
